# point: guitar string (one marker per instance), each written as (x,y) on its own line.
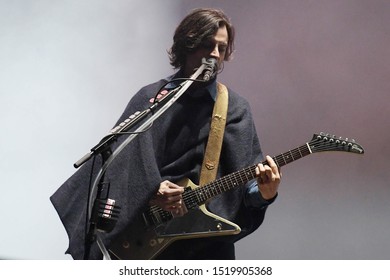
(220,184)
(283,158)
(192,195)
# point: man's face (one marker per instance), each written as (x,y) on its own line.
(212,48)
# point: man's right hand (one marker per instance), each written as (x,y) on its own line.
(169,198)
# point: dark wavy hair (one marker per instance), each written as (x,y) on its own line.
(196,28)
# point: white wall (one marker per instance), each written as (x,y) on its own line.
(311,66)
(67,70)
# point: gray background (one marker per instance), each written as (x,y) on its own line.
(68,68)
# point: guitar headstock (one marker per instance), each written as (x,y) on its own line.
(325,142)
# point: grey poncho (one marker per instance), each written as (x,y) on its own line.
(170,150)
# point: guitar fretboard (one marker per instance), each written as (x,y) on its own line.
(198,196)
(195,197)
(239,178)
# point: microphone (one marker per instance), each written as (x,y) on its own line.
(210,69)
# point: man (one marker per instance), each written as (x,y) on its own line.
(147,170)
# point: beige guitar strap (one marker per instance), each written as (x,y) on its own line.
(214,142)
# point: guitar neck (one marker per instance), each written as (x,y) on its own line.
(194,197)
(239,178)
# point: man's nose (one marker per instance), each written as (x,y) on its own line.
(215,52)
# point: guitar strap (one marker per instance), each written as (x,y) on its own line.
(214,142)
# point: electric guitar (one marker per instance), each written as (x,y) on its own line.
(156,229)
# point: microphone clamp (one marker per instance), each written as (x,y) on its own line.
(211,67)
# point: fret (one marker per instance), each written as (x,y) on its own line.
(190,198)
(279,159)
(198,198)
(253,171)
(299,150)
(292,156)
(250,174)
(276,160)
(213,190)
(200,193)
(230,180)
(209,192)
(240,177)
(285,162)
(235,179)
(305,150)
(219,187)
(222,185)
(206,192)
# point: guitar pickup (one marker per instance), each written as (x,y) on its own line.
(155,216)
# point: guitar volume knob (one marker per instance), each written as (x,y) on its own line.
(126,244)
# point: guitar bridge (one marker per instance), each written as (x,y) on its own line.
(155,216)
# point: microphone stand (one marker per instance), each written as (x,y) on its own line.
(93,216)
(153,113)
